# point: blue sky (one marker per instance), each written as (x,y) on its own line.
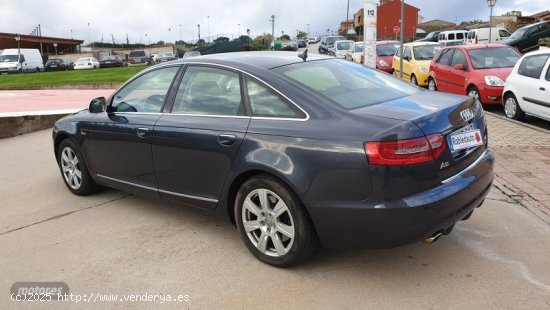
(155,18)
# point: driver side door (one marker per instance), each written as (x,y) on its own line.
(118,141)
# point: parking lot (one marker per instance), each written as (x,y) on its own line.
(115,243)
(112,245)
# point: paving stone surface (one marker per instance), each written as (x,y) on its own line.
(522,160)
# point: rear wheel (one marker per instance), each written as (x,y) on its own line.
(431,84)
(73,169)
(272,222)
(512,108)
(473,92)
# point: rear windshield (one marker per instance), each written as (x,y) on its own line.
(386,49)
(518,33)
(359,47)
(54,61)
(331,40)
(346,84)
(137,54)
(343,45)
(493,57)
(425,52)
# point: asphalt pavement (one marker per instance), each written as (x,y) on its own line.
(115,244)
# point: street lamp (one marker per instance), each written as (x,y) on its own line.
(208,18)
(199,27)
(18,38)
(239,25)
(491,4)
(55,45)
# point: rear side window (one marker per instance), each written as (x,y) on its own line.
(137,54)
(264,102)
(460,36)
(451,36)
(532,66)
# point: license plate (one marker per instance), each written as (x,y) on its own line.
(53,66)
(137,60)
(107,62)
(464,140)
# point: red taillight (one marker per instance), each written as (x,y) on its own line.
(405,152)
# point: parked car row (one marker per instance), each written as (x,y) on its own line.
(524,39)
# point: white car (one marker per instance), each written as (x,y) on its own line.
(340,48)
(527,89)
(355,52)
(86,63)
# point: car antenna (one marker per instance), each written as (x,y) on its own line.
(303,55)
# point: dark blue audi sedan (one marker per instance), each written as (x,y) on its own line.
(299,152)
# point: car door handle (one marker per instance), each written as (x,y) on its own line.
(226,140)
(142,132)
(542,88)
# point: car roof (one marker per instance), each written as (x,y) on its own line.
(265,60)
(537,52)
(387,42)
(535,24)
(478,46)
(422,43)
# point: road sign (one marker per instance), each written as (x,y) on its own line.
(396,29)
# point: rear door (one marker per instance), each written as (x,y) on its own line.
(442,66)
(195,145)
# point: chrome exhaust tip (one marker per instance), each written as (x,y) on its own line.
(433,238)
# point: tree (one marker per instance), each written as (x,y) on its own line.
(284,37)
(512,13)
(301,35)
(221,39)
(160,42)
(201,42)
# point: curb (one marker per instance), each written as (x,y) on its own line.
(12,126)
(517,122)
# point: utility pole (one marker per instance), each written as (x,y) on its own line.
(273,30)
(199,27)
(208,19)
(40,35)
(346,22)
(307,30)
(401,39)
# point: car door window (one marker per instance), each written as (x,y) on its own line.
(407,52)
(209,91)
(146,93)
(532,66)
(548,73)
(264,102)
(459,58)
(445,57)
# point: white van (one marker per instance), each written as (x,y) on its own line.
(452,37)
(481,35)
(30,61)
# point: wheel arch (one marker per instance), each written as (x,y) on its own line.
(244,176)
(57,142)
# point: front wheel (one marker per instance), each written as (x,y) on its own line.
(473,92)
(431,84)
(272,222)
(512,108)
(73,169)
(413,80)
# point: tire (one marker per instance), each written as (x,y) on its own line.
(473,92)
(413,80)
(511,107)
(279,232)
(431,84)
(74,170)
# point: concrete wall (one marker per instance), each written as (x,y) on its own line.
(98,53)
(17,125)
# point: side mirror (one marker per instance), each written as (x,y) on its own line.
(97,105)
(459,67)
(407,58)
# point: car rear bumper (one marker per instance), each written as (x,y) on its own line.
(422,78)
(410,219)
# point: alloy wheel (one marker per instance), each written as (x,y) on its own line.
(71,168)
(268,223)
(510,107)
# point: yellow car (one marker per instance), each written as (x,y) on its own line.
(416,61)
